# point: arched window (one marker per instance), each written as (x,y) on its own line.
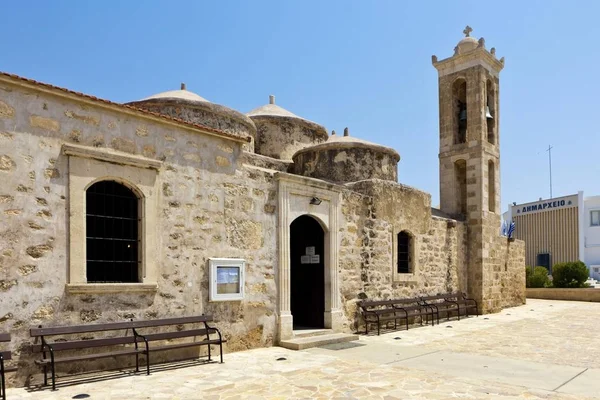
(460,173)
(405,248)
(459,94)
(490,112)
(491,186)
(112,223)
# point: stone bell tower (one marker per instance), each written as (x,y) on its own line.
(469,151)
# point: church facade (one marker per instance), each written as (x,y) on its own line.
(175,206)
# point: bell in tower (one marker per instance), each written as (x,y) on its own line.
(488,115)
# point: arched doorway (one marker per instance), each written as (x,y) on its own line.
(307,264)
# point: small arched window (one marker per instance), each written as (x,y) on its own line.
(112,228)
(405,248)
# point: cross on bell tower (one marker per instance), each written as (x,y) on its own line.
(469,150)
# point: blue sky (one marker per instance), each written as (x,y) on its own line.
(361,64)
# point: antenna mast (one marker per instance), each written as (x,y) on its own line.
(549,150)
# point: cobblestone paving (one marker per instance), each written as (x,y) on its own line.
(558,333)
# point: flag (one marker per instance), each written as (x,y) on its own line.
(511,229)
(504,229)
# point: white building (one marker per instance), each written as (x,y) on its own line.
(592,235)
(560,229)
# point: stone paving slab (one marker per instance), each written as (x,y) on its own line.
(503,370)
(585,384)
(557,336)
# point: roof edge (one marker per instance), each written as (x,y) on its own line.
(349,145)
(118,107)
(214,107)
(300,120)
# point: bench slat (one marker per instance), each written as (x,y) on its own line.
(172,321)
(63,330)
(415,308)
(4,337)
(82,344)
(444,306)
(184,345)
(6,355)
(436,297)
(175,335)
(73,329)
(375,303)
(91,356)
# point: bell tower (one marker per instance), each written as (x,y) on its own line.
(469,150)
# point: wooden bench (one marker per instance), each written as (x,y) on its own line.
(449,303)
(386,311)
(134,344)
(4,356)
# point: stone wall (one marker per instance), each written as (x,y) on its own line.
(209,206)
(504,276)
(374,212)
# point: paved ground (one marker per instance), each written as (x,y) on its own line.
(543,350)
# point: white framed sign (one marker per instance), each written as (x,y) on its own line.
(226,279)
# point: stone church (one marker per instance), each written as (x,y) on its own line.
(173,205)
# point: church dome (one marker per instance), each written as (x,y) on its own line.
(182,94)
(343,159)
(272,110)
(280,133)
(192,108)
(467,43)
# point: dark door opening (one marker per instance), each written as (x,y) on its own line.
(307,273)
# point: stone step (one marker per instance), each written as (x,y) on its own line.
(298,333)
(302,343)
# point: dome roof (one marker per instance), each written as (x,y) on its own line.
(272,110)
(181,94)
(344,159)
(189,107)
(467,43)
(346,141)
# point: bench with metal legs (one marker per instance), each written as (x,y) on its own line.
(133,344)
(4,356)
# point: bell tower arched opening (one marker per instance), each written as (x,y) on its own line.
(459,96)
(490,112)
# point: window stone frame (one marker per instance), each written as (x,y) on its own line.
(88,166)
(410,277)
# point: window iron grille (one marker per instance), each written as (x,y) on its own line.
(404,243)
(112,240)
